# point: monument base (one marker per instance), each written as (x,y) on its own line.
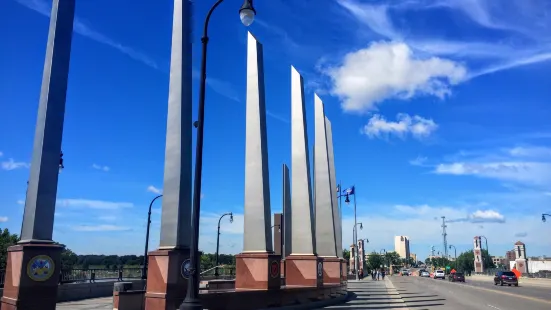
(521,265)
(166,279)
(344,269)
(331,270)
(304,270)
(32,277)
(258,271)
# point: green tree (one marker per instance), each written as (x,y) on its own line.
(6,240)
(392,258)
(375,260)
(346,254)
(465,261)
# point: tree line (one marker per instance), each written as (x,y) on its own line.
(71,260)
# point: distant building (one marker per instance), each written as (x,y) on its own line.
(501,262)
(401,246)
(510,255)
(414,257)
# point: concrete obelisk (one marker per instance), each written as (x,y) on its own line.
(287,213)
(302,263)
(166,283)
(34,263)
(325,228)
(257,267)
(336,212)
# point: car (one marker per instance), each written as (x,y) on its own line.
(456,277)
(405,272)
(505,277)
(425,274)
(439,274)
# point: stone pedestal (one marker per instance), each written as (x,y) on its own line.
(257,271)
(32,277)
(331,270)
(167,279)
(344,270)
(304,270)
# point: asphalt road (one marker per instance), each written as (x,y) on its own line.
(475,295)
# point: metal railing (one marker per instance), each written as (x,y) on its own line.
(93,275)
(224,272)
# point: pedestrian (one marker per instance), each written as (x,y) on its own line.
(378,275)
(373,274)
(383,273)
(361,274)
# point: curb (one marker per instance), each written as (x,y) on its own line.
(317,304)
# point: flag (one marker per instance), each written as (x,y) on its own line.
(349,191)
(338,188)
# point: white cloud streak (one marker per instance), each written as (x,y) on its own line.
(93,204)
(3,219)
(11,164)
(416,126)
(154,190)
(100,167)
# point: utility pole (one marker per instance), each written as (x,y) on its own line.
(444,234)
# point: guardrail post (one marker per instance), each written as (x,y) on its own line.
(93,276)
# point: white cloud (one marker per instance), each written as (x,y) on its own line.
(93,204)
(418,161)
(521,234)
(525,172)
(512,18)
(1,154)
(100,167)
(416,126)
(21,202)
(482,216)
(96,228)
(11,164)
(107,218)
(387,70)
(154,190)
(3,219)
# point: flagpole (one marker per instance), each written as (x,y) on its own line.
(356,236)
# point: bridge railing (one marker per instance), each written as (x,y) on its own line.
(224,272)
(93,275)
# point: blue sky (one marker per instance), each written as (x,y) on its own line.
(438,107)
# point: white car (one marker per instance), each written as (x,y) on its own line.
(425,274)
(439,274)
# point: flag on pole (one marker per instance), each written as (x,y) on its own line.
(338,188)
(349,191)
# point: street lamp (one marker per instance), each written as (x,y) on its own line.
(218,241)
(543,217)
(192,301)
(455,253)
(383,254)
(144,271)
(281,238)
(487,251)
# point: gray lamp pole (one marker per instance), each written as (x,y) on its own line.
(144,271)
(455,254)
(356,254)
(192,301)
(487,251)
(218,241)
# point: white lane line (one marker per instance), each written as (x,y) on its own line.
(494,307)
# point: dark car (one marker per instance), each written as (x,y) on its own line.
(456,277)
(505,277)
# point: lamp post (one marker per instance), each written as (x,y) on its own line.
(144,271)
(383,254)
(192,301)
(543,219)
(218,241)
(455,253)
(487,250)
(281,238)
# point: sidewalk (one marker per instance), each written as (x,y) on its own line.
(523,281)
(369,294)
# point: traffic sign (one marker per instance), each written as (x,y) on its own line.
(447,267)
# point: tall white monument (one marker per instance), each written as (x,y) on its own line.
(257,267)
(303,264)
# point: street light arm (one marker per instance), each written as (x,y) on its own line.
(207,20)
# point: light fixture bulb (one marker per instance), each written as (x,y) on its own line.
(246,16)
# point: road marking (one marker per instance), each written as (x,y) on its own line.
(494,307)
